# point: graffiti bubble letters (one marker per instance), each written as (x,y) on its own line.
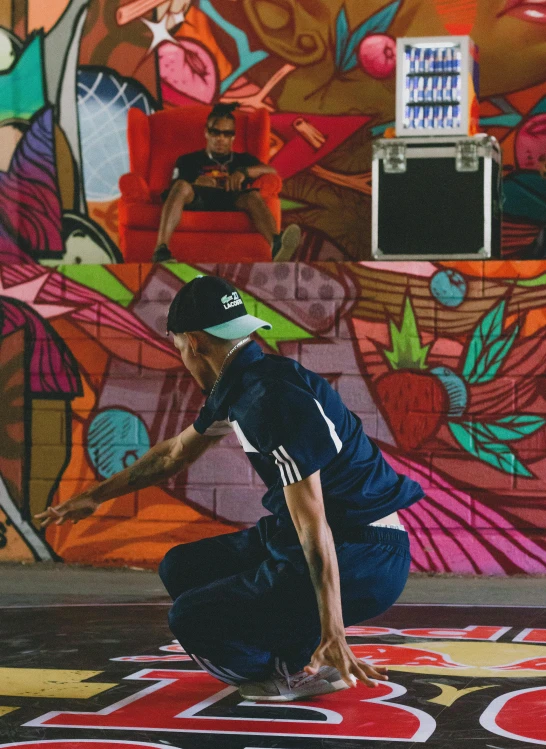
(184,701)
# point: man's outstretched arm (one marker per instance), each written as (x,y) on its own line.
(306,506)
(160,462)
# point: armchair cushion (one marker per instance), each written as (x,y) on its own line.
(269,185)
(134,188)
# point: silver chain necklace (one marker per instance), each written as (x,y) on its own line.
(221,164)
(224,363)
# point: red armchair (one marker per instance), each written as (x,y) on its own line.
(155,142)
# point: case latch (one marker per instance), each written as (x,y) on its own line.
(466,156)
(393,154)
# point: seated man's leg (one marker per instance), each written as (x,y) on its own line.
(252,203)
(283,244)
(180,195)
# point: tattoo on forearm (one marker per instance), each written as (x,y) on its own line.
(151,468)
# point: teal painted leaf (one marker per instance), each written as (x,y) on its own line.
(487,331)
(377,24)
(510,428)
(495,454)
(490,362)
(342,35)
(488,348)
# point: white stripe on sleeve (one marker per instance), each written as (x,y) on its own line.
(284,468)
(292,462)
(333,434)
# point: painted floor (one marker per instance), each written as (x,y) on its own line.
(88,676)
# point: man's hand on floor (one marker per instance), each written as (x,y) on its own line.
(335,652)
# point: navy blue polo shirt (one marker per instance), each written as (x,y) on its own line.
(291,423)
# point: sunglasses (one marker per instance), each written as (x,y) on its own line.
(216,132)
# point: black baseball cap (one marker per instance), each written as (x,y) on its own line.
(211,304)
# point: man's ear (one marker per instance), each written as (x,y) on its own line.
(193,343)
(198,342)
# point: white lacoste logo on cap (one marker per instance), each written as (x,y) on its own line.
(231,300)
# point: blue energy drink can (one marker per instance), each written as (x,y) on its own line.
(429,89)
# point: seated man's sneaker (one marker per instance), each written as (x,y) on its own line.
(285,687)
(161,254)
(285,244)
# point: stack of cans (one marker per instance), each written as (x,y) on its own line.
(433,116)
(433,60)
(432,87)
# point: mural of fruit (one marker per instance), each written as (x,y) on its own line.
(406,397)
(187,69)
(417,399)
(377,55)
(412,399)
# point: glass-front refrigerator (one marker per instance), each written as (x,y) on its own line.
(437,86)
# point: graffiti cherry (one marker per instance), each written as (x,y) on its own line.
(377,55)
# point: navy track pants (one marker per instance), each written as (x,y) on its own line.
(244,599)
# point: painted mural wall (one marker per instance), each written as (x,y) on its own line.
(70,70)
(445,364)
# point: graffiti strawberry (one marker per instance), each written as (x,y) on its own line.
(412,400)
(413,403)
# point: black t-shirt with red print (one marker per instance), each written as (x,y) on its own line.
(190,166)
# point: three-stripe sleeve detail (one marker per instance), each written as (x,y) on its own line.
(290,472)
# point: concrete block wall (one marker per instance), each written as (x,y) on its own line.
(444,363)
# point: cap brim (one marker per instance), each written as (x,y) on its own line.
(238,328)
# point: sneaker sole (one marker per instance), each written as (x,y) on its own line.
(337,686)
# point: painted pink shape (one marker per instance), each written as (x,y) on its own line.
(531,144)
(377,55)
(420,268)
(188,69)
(100,315)
(443,541)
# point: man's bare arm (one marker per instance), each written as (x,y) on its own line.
(256,171)
(160,462)
(306,506)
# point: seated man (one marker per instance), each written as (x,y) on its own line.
(220,179)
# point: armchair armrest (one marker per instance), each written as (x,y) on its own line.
(269,185)
(133,187)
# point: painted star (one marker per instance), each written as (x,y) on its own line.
(29,291)
(160,33)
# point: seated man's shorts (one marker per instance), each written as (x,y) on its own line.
(212,199)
